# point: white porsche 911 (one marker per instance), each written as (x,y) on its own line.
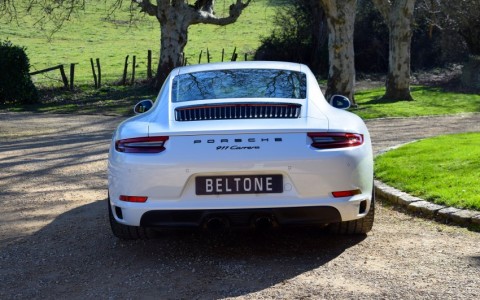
(242,144)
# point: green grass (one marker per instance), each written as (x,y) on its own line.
(443,170)
(118,100)
(428,101)
(94,33)
(108,100)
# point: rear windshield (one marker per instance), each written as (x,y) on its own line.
(239,83)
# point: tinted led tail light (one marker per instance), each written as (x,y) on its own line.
(153,144)
(329,140)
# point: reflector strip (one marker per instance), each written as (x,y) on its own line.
(137,199)
(340,194)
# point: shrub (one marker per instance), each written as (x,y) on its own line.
(431,46)
(15,82)
(299,35)
(370,39)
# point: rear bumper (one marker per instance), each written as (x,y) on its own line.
(241,218)
(313,211)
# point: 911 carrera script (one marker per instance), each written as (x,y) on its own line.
(235,147)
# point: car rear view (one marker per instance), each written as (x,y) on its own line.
(240,145)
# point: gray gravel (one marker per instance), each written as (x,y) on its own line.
(55,241)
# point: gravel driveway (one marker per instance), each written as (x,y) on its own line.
(55,241)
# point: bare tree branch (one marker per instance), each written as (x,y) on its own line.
(8,9)
(204,5)
(147,7)
(205,16)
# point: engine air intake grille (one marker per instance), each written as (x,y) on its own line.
(238,111)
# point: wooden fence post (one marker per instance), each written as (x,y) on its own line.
(133,69)
(62,73)
(223,53)
(208,56)
(200,56)
(93,72)
(72,75)
(234,54)
(99,69)
(64,77)
(124,78)
(149,65)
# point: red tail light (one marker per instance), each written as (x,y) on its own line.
(138,199)
(329,140)
(340,194)
(153,144)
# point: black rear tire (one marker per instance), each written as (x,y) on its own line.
(126,232)
(359,226)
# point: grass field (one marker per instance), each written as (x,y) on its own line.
(443,169)
(119,100)
(428,101)
(95,33)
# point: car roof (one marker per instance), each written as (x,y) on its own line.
(241,65)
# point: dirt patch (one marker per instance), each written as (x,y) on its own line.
(55,241)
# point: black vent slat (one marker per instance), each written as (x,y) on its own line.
(238,111)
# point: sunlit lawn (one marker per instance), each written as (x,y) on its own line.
(427,101)
(444,170)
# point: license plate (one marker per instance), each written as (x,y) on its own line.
(244,184)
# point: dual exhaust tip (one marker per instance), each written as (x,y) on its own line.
(220,224)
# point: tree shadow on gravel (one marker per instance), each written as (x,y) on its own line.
(76,256)
(475,260)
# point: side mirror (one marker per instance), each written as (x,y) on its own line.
(143,106)
(339,101)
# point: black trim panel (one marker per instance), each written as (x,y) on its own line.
(241,217)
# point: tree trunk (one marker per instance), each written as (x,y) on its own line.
(471,74)
(174,37)
(398,15)
(175,16)
(340,20)
(398,78)
(319,34)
